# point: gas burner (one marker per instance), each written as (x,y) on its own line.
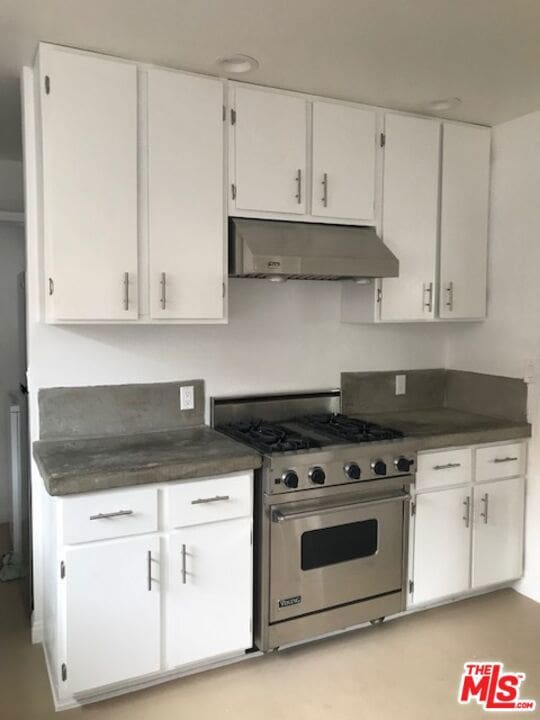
(268,437)
(347,429)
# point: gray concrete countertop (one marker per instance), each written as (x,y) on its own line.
(444,427)
(87,464)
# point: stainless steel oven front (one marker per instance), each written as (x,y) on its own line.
(332,561)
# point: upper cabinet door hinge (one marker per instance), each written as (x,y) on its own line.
(382,139)
(62,569)
(47,85)
(233,191)
(233,116)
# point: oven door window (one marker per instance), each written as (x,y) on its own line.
(338,544)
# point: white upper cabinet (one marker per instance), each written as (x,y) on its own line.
(464,221)
(343,167)
(89,151)
(410,215)
(269,151)
(185,196)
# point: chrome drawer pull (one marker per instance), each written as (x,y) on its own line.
(149,568)
(485,500)
(126,291)
(448,466)
(105,516)
(204,501)
(505,459)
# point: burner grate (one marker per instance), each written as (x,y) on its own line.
(348,429)
(267,437)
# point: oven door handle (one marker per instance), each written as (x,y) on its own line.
(279,516)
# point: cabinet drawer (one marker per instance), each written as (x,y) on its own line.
(448,467)
(210,500)
(114,514)
(500,461)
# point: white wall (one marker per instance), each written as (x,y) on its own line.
(11,185)
(11,264)
(511,334)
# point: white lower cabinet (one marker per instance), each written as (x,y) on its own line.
(209,582)
(442,544)
(112,601)
(468,537)
(498,532)
(144,597)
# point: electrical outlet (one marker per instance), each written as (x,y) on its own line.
(187,397)
(401,384)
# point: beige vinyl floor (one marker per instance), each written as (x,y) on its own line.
(404,669)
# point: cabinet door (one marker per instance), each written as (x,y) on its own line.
(498,532)
(464,220)
(209,591)
(410,215)
(185,196)
(112,612)
(343,161)
(270,151)
(89,140)
(442,536)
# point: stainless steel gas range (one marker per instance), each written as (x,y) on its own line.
(331,514)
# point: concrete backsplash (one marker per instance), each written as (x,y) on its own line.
(491,395)
(97,411)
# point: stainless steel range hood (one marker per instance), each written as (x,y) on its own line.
(307,251)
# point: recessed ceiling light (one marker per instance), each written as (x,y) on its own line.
(237,63)
(444,103)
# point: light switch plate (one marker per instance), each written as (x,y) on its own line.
(401,384)
(187,397)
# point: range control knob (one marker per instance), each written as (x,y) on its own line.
(403,464)
(317,475)
(352,470)
(290,479)
(379,467)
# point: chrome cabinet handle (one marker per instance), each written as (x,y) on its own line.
(126,291)
(163,283)
(216,498)
(105,516)
(450,296)
(298,195)
(428,290)
(447,466)
(467,516)
(324,183)
(485,500)
(149,570)
(184,571)
(505,459)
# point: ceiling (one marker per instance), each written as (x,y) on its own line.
(395,53)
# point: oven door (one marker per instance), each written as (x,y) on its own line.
(327,556)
